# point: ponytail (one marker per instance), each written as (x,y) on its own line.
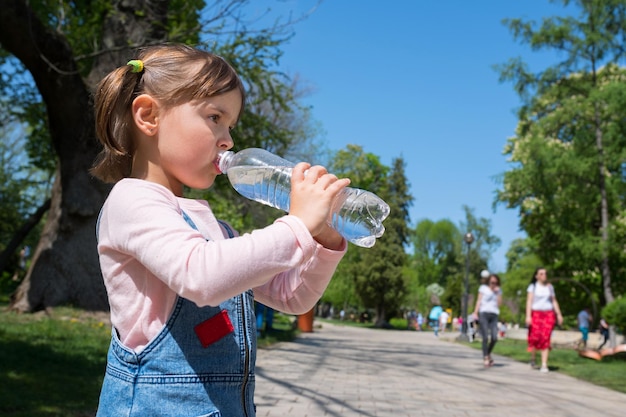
(113,100)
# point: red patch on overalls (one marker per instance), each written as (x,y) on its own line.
(213,329)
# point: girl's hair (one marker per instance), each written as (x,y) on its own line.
(493,276)
(534,278)
(173,74)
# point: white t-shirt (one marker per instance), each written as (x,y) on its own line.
(489,300)
(443,318)
(542,296)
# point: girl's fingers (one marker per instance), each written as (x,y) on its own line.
(314,173)
(298,171)
(319,175)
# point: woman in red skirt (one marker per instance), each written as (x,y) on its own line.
(542,312)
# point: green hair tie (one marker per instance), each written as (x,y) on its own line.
(136,64)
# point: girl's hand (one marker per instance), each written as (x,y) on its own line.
(312,196)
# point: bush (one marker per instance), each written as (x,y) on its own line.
(615,313)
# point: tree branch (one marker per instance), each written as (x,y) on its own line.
(21,234)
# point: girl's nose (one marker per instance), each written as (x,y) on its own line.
(226,142)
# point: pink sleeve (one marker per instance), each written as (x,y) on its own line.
(148,227)
(297,291)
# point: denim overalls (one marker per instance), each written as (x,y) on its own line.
(200,364)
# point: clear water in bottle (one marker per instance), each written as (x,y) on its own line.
(356,214)
(267,185)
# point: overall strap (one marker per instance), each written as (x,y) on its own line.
(190,222)
(225,225)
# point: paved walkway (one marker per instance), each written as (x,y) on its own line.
(347,371)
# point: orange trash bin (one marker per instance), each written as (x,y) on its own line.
(305,321)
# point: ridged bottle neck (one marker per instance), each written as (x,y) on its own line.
(225,160)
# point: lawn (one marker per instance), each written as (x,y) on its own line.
(52,365)
(609,372)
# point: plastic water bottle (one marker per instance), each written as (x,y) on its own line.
(266,178)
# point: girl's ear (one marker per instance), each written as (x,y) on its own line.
(145,111)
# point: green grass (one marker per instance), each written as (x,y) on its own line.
(53,365)
(608,372)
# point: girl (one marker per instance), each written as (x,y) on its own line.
(542,311)
(180,282)
(487,310)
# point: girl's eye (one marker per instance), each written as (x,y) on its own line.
(214,117)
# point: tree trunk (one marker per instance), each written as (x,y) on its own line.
(380,321)
(604,216)
(65,265)
(604,227)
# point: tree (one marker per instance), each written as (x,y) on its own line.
(380,282)
(374,276)
(65,254)
(615,313)
(568,153)
(434,245)
(366,172)
(67,49)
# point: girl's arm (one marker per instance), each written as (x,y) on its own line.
(330,239)
(297,290)
(499,296)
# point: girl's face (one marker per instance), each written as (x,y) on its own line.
(189,137)
(542,276)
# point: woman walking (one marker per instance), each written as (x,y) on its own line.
(542,311)
(487,310)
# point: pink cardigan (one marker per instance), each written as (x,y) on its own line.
(149,255)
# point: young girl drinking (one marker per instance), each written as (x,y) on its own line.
(180,282)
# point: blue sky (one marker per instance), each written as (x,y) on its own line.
(415,78)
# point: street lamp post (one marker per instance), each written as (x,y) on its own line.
(464,337)
(519,308)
